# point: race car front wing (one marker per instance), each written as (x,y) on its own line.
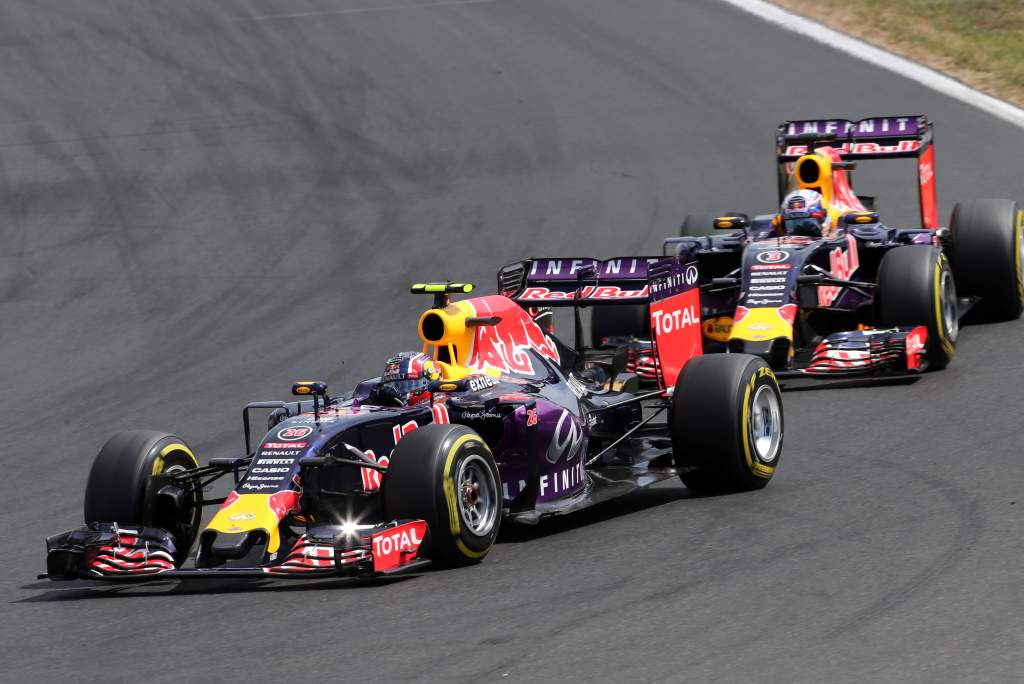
(870,351)
(110,552)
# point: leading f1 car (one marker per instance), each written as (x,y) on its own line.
(824,288)
(494,418)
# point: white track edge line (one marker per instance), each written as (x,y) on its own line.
(880,57)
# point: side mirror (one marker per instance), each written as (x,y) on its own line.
(854,218)
(318,390)
(304,388)
(732,223)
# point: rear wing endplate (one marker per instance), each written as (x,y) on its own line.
(675,316)
(878,137)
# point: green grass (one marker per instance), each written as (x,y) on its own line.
(980,42)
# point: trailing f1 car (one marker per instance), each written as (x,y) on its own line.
(493,419)
(824,288)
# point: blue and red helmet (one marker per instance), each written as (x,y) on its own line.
(802,213)
(406,378)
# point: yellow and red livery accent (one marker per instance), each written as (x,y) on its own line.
(248,512)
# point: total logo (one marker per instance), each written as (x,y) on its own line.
(399,540)
(773,256)
(397,546)
(667,321)
(294,433)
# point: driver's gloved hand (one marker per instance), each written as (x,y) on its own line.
(385,395)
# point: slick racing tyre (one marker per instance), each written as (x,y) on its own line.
(726,423)
(698,225)
(627,320)
(986,255)
(916,287)
(123,486)
(446,476)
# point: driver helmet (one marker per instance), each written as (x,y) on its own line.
(802,214)
(406,377)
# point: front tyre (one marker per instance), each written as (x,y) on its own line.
(916,287)
(446,476)
(126,486)
(726,423)
(986,253)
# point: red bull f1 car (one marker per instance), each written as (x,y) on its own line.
(863,298)
(493,419)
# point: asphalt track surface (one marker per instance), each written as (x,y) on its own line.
(201,202)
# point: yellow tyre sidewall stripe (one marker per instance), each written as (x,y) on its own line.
(1017,237)
(158,462)
(940,323)
(755,466)
(450,496)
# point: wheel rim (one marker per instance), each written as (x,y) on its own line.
(950,320)
(182,527)
(478,495)
(766,424)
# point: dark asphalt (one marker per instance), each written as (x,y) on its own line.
(203,201)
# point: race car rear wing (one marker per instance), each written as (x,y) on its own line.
(670,288)
(557,282)
(878,137)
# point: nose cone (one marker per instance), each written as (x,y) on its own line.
(241,516)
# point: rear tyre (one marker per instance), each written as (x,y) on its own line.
(123,486)
(916,287)
(726,423)
(698,225)
(627,320)
(987,253)
(446,476)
